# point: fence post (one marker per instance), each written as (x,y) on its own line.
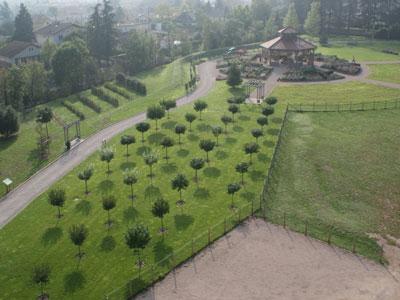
(306,229)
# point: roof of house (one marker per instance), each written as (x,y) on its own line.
(53,28)
(15,47)
(289,42)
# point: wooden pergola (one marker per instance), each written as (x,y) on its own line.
(288,46)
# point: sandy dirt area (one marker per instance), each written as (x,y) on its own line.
(263,261)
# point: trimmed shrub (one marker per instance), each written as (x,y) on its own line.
(100,93)
(118,90)
(271,100)
(136,86)
(120,79)
(74,110)
(89,103)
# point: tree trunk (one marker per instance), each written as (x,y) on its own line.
(132,193)
(127,150)
(142,137)
(47,131)
(59,212)
(180,195)
(86,187)
(242,178)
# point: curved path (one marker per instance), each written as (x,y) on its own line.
(18,199)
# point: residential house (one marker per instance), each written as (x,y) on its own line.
(17,52)
(55,32)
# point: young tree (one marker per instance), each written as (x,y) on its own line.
(242,168)
(107,155)
(234,109)
(216,131)
(137,239)
(271,100)
(23,26)
(257,133)
(109,204)
(197,164)
(78,235)
(167,142)
(85,176)
(127,140)
(234,76)
(150,159)
(226,120)
(9,123)
(44,116)
(155,113)
(180,183)
(159,210)
(131,178)
(190,118)
(47,52)
(179,130)
(267,111)
(168,105)
(143,127)
(233,188)
(250,149)
(36,83)
(57,198)
(15,88)
(207,146)
(41,276)
(262,121)
(312,24)
(291,18)
(200,106)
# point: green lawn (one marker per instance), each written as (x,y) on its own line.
(35,236)
(334,93)
(162,82)
(340,170)
(388,73)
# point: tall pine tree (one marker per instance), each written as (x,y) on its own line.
(23,26)
(312,24)
(292,18)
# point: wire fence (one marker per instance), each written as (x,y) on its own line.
(152,273)
(348,106)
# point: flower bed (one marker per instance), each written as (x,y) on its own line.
(339,65)
(302,74)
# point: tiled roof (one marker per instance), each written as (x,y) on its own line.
(15,47)
(53,28)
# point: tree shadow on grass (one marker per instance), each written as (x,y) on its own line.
(247,195)
(212,172)
(263,157)
(221,155)
(277,120)
(269,144)
(52,235)
(169,168)
(244,118)
(273,131)
(169,124)
(201,193)
(133,287)
(84,207)
(203,127)
(130,214)
(152,192)
(127,165)
(237,128)
(183,153)
(156,138)
(162,253)
(193,138)
(108,244)
(106,185)
(230,140)
(7,142)
(74,281)
(256,176)
(183,221)
(142,150)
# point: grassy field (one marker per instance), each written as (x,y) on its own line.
(162,82)
(336,169)
(334,93)
(108,262)
(388,73)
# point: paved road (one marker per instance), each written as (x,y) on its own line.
(19,198)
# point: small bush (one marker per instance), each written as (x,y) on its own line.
(89,103)
(120,79)
(118,90)
(136,86)
(100,93)
(271,100)
(74,110)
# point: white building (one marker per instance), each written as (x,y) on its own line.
(55,32)
(18,53)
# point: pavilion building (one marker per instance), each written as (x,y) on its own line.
(288,48)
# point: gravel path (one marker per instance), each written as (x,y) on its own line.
(263,261)
(18,199)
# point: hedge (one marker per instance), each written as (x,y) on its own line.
(74,110)
(99,92)
(131,84)
(89,103)
(118,90)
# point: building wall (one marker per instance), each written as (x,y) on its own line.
(57,38)
(29,54)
